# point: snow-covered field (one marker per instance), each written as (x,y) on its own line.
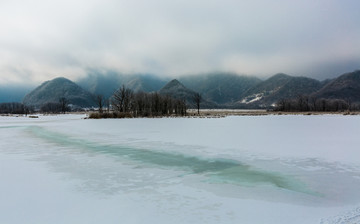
(264,169)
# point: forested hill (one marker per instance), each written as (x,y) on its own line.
(346,86)
(53,90)
(218,90)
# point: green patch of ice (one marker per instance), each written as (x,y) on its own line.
(217,170)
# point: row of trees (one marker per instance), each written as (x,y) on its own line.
(19,108)
(310,103)
(197,98)
(14,108)
(56,107)
(125,102)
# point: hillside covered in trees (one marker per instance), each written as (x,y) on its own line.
(217,90)
(340,94)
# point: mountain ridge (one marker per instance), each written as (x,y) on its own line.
(220,87)
(346,87)
(277,87)
(53,90)
(220,90)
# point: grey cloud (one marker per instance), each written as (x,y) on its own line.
(52,38)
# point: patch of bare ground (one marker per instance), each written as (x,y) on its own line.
(217,113)
(224,112)
(220,113)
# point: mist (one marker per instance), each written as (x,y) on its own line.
(41,40)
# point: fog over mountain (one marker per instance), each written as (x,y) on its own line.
(41,40)
(107,83)
(14,93)
(102,44)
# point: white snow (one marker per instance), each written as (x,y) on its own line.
(253,98)
(263,169)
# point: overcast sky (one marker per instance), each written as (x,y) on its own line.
(42,39)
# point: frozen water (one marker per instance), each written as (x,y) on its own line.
(270,169)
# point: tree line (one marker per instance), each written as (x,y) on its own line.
(14,108)
(304,103)
(62,106)
(50,107)
(126,103)
(123,103)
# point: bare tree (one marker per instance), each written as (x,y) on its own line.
(312,103)
(140,104)
(281,105)
(122,99)
(349,104)
(107,104)
(305,103)
(13,108)
(63,104)
(100,100)
(197,100)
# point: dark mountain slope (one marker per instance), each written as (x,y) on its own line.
(279,86)
(220,88)
(177,90)
(53,90)
(346,87)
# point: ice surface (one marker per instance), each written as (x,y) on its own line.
(269,169)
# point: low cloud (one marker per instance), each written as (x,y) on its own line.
(42,39)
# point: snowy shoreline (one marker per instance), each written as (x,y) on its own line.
(208,113)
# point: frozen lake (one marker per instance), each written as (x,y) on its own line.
(265,169)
